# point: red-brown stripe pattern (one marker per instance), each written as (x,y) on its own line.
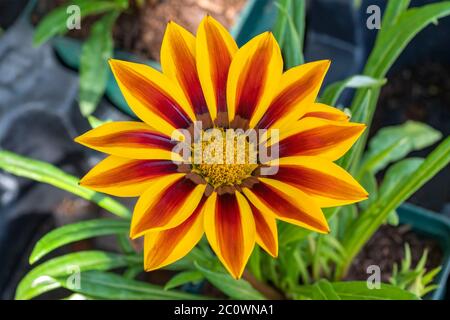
(263,230)
(317,182)
(168,239)
(250,86)
(278,203)
(220,60)
(287,99)
(313,141)
(153,97)
(170,202)
(187,74)
(229,230)
(132,139)
(133,172)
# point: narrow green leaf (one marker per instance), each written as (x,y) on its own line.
(75,232)
(370,220)
(235,289)
(394,143)
(43,277)
(95,122)
(356,290)
(47,173)
(56,21)
(105,285)
(94,69)
(323,290)
(397,173)
(183,278)
(333,91)
(394,39)
(279,29)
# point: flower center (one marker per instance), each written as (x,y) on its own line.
(224,157)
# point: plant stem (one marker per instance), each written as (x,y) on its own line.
(268,291)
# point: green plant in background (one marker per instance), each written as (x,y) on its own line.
(310,265)
(97,48)
(416,280)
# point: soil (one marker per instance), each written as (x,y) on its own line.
(420,93)
(387,247)
(140,29)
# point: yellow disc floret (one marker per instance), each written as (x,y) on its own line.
(224,158)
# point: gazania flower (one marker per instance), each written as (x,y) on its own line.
(207,78)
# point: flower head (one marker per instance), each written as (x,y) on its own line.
(225,185)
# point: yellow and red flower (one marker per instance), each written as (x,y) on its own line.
(208,78)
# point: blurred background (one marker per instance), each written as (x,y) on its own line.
(40,110)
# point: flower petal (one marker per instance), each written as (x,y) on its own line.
(126,177)
(319,110)
(266,231)
(254,72)
(215,49)
(135,140)
(162,248)
(297,90)
(326,182)
(318,137)
(230,229)
(152,96)
(178,63)
(287,203)
(166,204)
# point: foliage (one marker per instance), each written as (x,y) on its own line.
(97,48)
(310,266)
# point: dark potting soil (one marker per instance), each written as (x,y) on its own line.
(420,93)
(387,247)
(140,29)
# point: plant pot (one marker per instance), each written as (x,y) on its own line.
(256,16)
(437,227)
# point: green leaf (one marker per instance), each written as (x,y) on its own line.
(396,37)
(370,220)
(47,173)
(105,285)
(43,277)
(183,278)
(235,289)
(95,122)
(394,143)
(323,290)
(369,182)
(397,173)
(291,20)
(359,114)
(333,91)
(353,290)
(393,10)
(279,29)
(94,69)
(75,232)
(56,21)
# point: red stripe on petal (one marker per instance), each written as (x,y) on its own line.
(153,97)
(188,77)
(229,230)
(132,139)
(220,58)
(313,141)
(288,99)
(169,239)
(132,172)
(281,206)
(317,182)
(263,230)
(170,202)
(251,83)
